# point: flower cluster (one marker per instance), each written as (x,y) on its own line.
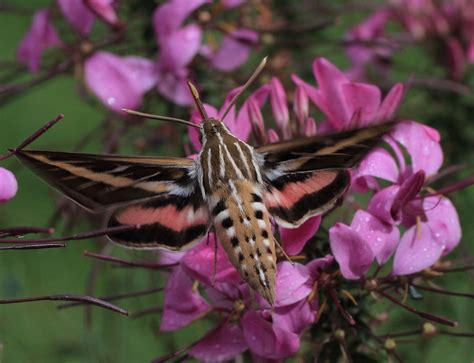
(447,24)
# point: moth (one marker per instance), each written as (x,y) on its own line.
(233,187)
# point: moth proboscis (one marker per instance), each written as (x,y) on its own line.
(231,186)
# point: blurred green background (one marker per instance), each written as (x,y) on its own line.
(38,332)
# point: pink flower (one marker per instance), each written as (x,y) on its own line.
(41,35)
(81,14)
(234,50)
(348,104)
(8,185)
(119,82)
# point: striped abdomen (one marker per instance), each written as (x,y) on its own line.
(242,225)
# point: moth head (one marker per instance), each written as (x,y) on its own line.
(211,127)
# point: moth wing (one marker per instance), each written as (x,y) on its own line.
(98,182)
(306,177)
(171,222)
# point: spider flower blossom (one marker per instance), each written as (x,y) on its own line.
(348,104)
(41,36)
(179,44)
(431,223)
(8,185)
(268,334)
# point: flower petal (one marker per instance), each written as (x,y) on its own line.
(182,304)
(78,15)
(268,340)
(174,87)
(391,102)
(417,250)
(234,49)
(279,106)
(294,239)
(378,163)
(295,318)
(353,254)
(221,344)
(443,221)
(381,204)
(199,263)
(382,237)
(8,185)
(363,97)
(104,10)
(119,82)
(40,36)
(180,47)
(291,283)
(421,144)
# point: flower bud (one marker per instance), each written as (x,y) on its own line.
(390,344)
(429,329)
(279,106)
(301,106)
(8,185)
(256,120)
(273,136)
(310,127)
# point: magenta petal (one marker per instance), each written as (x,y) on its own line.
(221,344)
(268,340)
(168,17)
(381,205)
(363,97)
(417,250)
(182,304)
(8,185)
(421,144)
(119,82)
(378,163)
(180,47)
(234,49)
(40,36)
(381,237)
(353,254)
(199,263)
(330,79)
(391,102)
(443,221)
(291,283)
(318,265)
(78,15)
(294,239)
(295,318)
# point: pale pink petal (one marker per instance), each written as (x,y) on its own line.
(199,263)
(279,105)
(378,163)
(310,127)
(8,185)
(221,344)
(256,120)
(40,36)
(268,340)
(180,47)
(119,82)
(313,93)
(174,87)
(294,239)
(443,221)
(78,15)
(301,105)
(353,254)
(382,237)
(417,250)
(381,204)
(291,283)
(182,304)
(424,149)
(168,17)
(169,257)
(391,102)
(272,135)
(105,10)
(295,318)
(234,49)
(363,97)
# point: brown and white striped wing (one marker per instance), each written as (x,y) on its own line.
(306,177)
(98,182)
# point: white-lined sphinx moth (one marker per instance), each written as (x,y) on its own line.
(231,185)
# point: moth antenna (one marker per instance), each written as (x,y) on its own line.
(283,251)
(161,118)
(254,75)
(197,100)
